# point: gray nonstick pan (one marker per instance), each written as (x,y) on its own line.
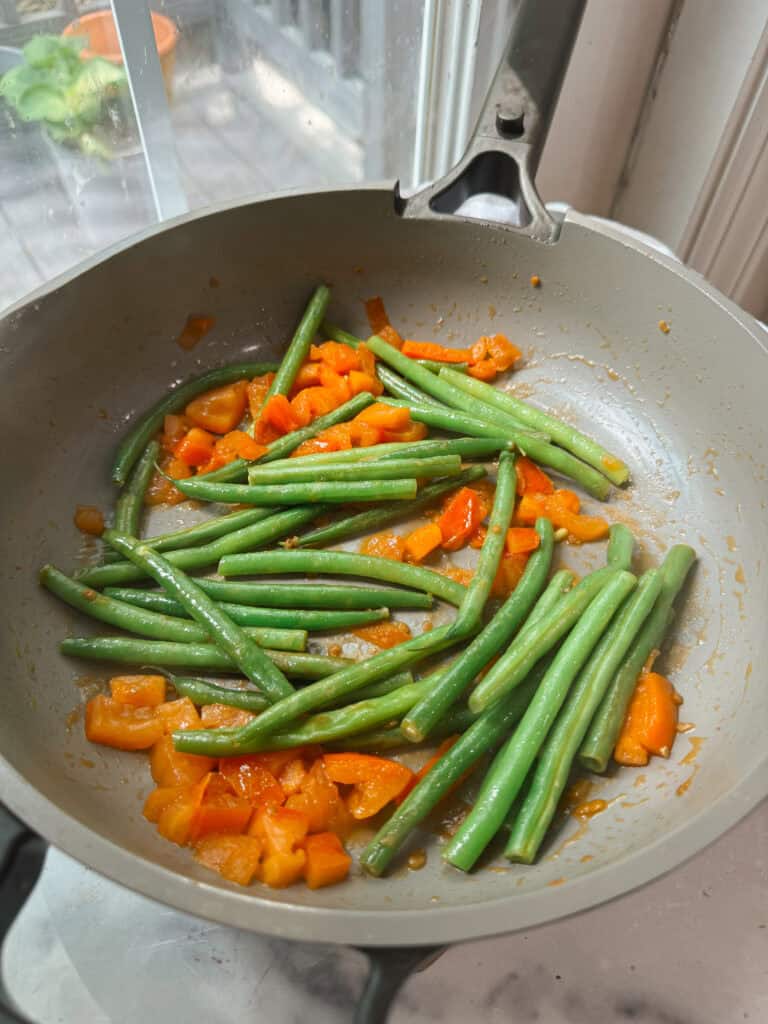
(686,409)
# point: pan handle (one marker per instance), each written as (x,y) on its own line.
(388,969)
(503,152)
(22,853)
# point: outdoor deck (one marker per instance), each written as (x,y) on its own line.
(236,134)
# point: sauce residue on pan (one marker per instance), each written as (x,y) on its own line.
(194,330)
(417,860)
(690,758)
(731,542)
(588,809)
(557,881)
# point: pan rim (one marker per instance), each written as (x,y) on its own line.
(387,927)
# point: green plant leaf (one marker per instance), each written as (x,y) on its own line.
(43,51)
(43,103)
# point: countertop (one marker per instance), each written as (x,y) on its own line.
(691,948)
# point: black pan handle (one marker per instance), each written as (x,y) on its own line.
(503,153)
(388,969)
(22,854)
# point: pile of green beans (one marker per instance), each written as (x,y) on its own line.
(536,684)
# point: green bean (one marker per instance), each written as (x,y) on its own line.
(510,766)
(436,367)
(298,349)
(300,494)
(129,505)
(295,473)
(466,447)
(621,546)
(230,637)
(335,333)
(457,720)
(376,518)
(311,698)
(533,642)
(563,462)
(283,446)
(201,692)
(347,721)
(137,439)
(343,563)
(404,389)
(479,738)
(428,713)
(320,594)
(133,651)
(210,529)
(277,525)
(555,591)
(436,386)
(248,615)
(553,766)
(562,433)
(472,606)
(152,623)
(385,686)
(453,420)
(596,750)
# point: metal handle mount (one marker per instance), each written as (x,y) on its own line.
(504,150)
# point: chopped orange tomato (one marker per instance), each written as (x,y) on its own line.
(334,383)
(502,352)
(391,336)
(174,428)
(235,858)
(311,403)
(195,448)
(140,691)
(461,516)
(437,353)
(521,540)
(385,417)
(377,314)
(327,862)
(320,800)
(251,779)
(161,491)
(359,382)
(367,359)
(422,541)
(650,723)
(484,370)
(169,767)
(384,634)
(222,716)
(508,575)
(307,377)
(281,830)
(159,799)
(413,432)
(340,357)
(220,409)
(384,545)
(90,520)
(561,508)
(220,811)
(240,445)
(531,478)
(256,392)
(278,413)
(123,726)
(178,714)
(194,330)
(174,822)
(375,780)
(292,776)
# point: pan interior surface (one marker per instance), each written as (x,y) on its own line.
(684,409)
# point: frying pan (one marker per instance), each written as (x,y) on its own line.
(686,410)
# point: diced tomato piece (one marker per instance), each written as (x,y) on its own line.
(256,392)
(479,351)
(377,314)
(161,491)
(281,829)
(363,435)
(484,370)
(222,716)
(238,444)
(277,413)
(367,359)
(460,518)
(391,336)
(159,799)
(141,691)
(122,726)
(522,540)
(175,426)
(413,432)
(385,417)
(252,780)
(437,353)
(171,768)
(502,352)
(235,858)
(220,409)
(90,520)
(422,541)
(195,448)
(531,478)
(194,330)
(175,820)
(307,377)
(319,799)
(559,507)
(311,403)
(508,575)
(384,545)
(650,724)
(220,811)
(335,383)
(292,776)
(178,714)
(359,383)
(327,861)
(384,634)
(340,357)
(375,780)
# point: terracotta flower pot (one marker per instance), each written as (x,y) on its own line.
(99,28)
